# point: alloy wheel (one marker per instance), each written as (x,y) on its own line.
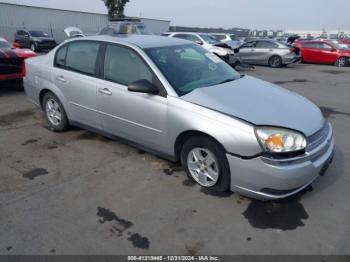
(53,112)
(203,166)
(342,62)
(275,61)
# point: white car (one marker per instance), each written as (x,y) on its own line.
(208,42)
(229,39)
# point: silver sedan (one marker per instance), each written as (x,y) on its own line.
(268,52)
(175,99)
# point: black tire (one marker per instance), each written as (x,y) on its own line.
(34,47)
(223,182)
(63,124)
(275,61)
(342,61)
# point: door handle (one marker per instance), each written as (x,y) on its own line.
(105,91)
(252,49)
(61,79)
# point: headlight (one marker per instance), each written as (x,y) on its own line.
(219,51)
(278,140)
(229,51)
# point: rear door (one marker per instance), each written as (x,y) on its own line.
(137,117)
(26,39)
(263,51)
(310,52)
(20,38)
(74,74)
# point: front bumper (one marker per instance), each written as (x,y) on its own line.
(230,59)
(46,45)
(268,179)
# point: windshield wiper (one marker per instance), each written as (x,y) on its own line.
(227,80)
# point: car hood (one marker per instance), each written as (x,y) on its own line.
(73,32)
(260,103)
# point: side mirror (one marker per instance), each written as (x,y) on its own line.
(143,86)
(15,45)
(199,42)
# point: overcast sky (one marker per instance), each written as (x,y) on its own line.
(253,14)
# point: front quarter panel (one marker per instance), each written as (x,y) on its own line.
(235,135)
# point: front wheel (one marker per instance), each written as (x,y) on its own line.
(205,162)
(342,61)
(275,61)
(33,47)
(54,112)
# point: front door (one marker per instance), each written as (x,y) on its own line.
(328,54)
(247,52)
(137,117)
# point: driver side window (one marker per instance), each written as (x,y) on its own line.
(123,66)
(324,46)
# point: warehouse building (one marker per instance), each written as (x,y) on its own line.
(53,21)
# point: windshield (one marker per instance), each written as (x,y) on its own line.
(209,39)
(188,67)
(339,45)
(38,34)
(4,44)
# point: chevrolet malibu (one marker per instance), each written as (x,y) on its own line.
(175,99)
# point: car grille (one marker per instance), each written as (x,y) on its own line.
(10,66)
(318,138)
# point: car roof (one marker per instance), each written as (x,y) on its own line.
(142,41)
(2,39)
(197,33)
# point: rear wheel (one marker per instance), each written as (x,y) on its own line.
(342,61)
(54,112)
(205,162)
(275,61)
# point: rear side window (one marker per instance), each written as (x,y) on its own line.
(124,66)
(249,45)
(310,45)
(60,60)
(324,46)
(266,44)
(81,57)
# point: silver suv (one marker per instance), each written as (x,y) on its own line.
(175,99)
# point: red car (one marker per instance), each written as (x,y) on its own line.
(12,64)
(323,52)
(345,40)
